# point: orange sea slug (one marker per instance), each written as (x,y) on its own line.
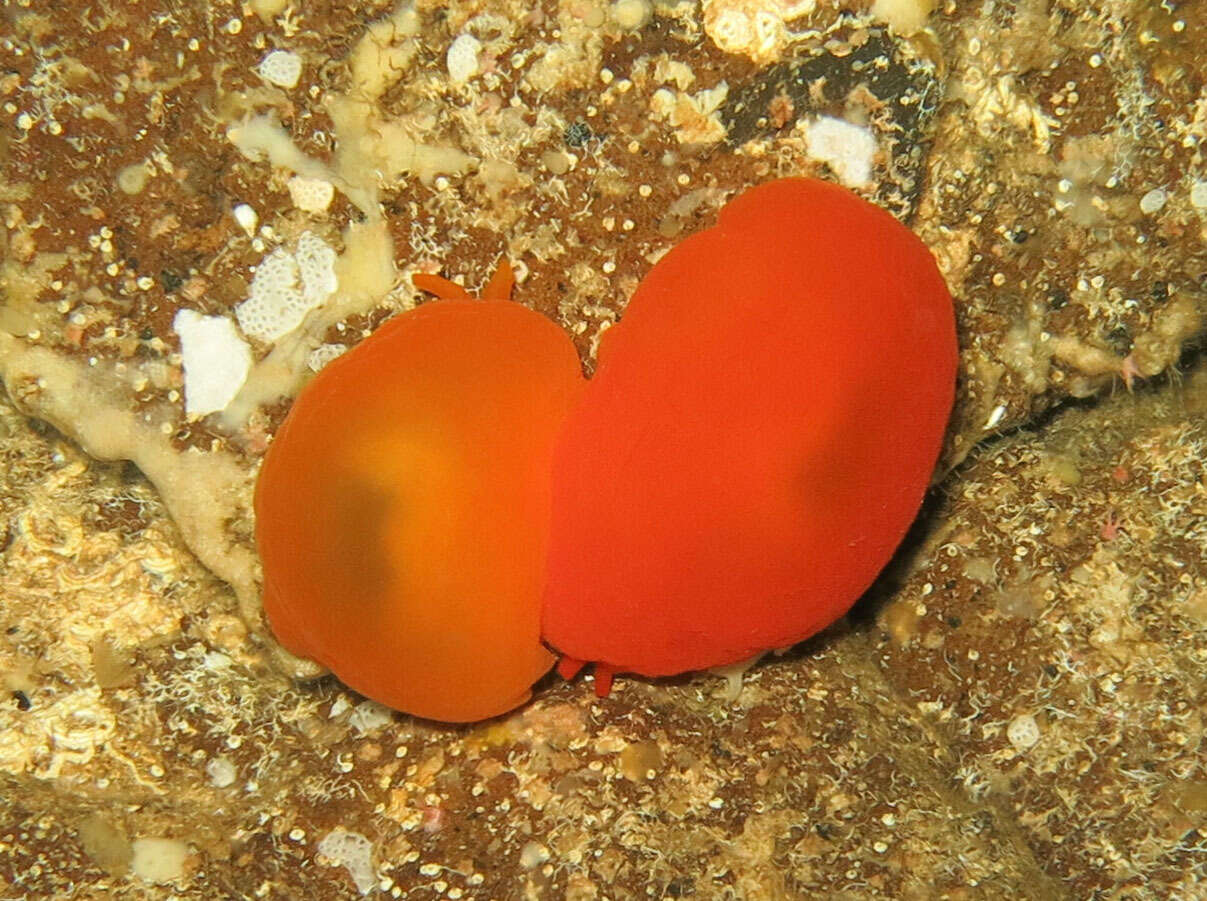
(402,510)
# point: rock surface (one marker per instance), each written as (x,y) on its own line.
(1015,710)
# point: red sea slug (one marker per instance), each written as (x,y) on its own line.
(756,439)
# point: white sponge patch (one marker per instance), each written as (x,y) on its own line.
(282,68)
(316,263)
(463,58)
(849,150)
(313,195)
(216,361)
(286,287)
(355,853)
